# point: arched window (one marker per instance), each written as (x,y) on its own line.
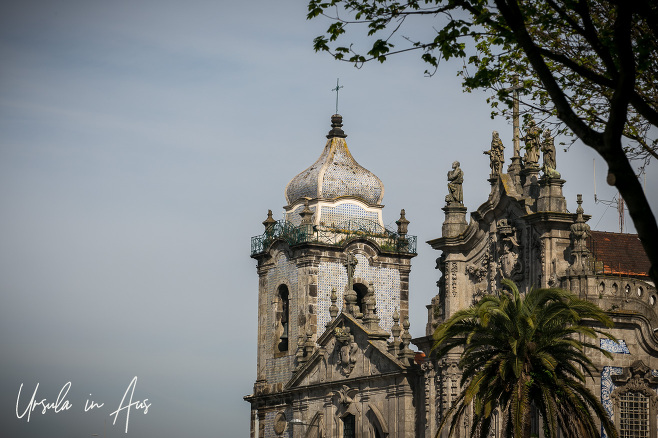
(349,426)
(361,292)
(283,316)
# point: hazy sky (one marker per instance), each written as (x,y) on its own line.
(142,144)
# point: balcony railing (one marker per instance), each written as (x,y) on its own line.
(334,235)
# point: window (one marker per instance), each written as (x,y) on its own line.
(349,426)
(634,401)
(633,415)
(283,316)
(361,292)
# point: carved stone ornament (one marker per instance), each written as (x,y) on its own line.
(479,293)
(345,395)
(635,378)
(347,349)
(478,271)
(280,423)
(453,276)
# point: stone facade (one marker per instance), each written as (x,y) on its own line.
(334,356)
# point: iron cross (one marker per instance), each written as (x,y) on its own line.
(336,90)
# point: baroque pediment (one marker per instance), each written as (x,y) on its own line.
(345,351)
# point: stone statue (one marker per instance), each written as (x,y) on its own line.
(532,139)
(548,148)
(496,155)
(455,180)
(347,349)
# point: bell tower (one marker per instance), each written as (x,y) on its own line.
(329,250)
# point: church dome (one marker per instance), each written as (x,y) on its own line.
(335,174)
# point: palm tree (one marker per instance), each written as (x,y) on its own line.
(518,351)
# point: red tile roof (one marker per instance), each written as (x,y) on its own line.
(620,254)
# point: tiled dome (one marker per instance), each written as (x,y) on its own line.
(336,174)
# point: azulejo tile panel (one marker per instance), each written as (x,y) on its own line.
(386,282)
(335,215)
(614,347)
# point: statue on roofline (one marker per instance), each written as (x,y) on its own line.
(548,148)
(532,139)
(496,155)
(455,180)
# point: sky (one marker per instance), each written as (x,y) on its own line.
(141,145)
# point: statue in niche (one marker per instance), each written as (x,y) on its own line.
(548,148)
(509,263)
(496,155)
(455,181)
(347,349)
(532,140)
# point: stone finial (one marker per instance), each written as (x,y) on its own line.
(336,125)
(299,354)
(306,214)
(455,180)
(394,345)
(405,351)
(269,222)
(350,302)
(579,233)
(496,155)
(333,308)
(548,148)
(403,224)
(309,345)
(371,320)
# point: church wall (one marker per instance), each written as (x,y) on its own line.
(278,365)
(390,396)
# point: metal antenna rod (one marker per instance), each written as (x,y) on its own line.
(594,165)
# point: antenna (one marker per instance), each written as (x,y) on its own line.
(594,164)
(620,209)
(618,201)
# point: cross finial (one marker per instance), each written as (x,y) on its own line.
(338,87)
(515,112)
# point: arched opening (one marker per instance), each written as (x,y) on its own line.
(377,423)
(283,316)
(361,292)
